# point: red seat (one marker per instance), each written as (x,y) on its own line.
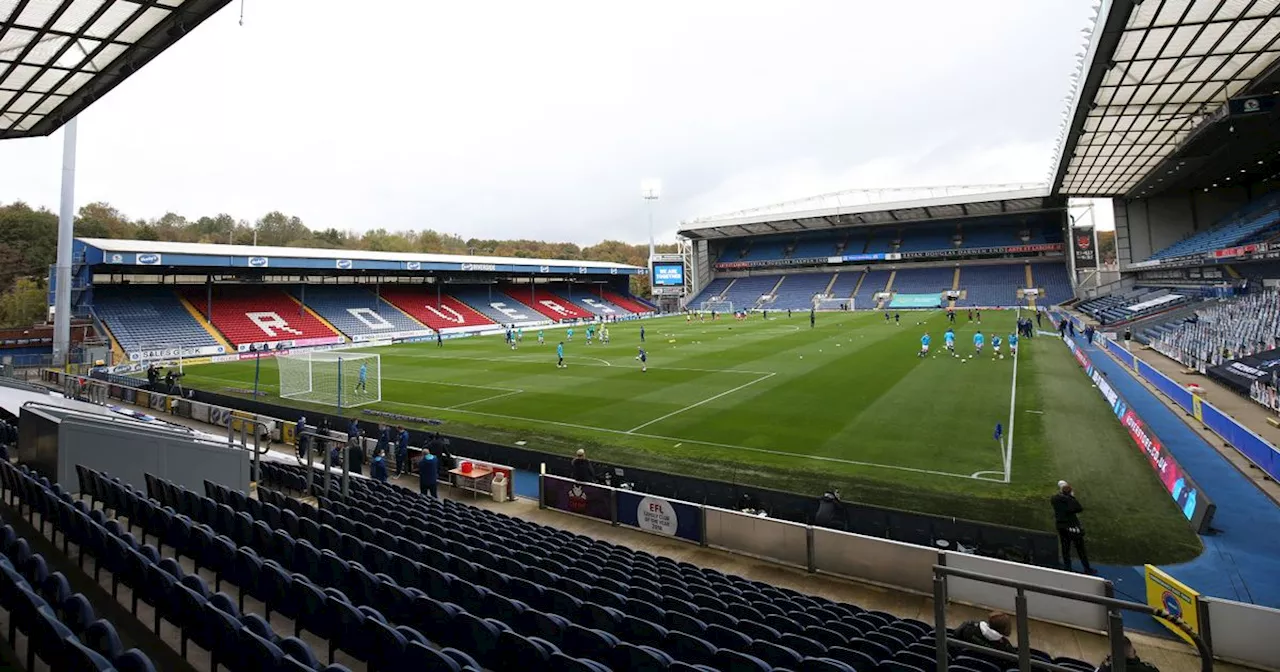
(624,302)
(548,304)
(257,315)
(440,313)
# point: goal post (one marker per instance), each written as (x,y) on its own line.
(709,305)
(340,379)
(828,303)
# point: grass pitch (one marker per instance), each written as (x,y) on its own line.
(776,403)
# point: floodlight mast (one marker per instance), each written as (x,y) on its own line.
(650,190)
(66,232)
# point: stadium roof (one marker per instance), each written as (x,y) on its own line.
(861,207)
(1156,70)
(166,254)
(59,56)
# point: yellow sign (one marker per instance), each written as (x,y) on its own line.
(1195,408)
(289,433)
(1167,593)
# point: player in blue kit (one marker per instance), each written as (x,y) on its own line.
(644,360)
(541,338)
(1013,344)
(978,341)
(950,337)
(560,355)
(995,347)
(569,335)
(362,384)
(591,332)
(924,345)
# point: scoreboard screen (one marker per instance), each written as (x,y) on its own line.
(668,274)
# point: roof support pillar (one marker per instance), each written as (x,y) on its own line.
(66,232)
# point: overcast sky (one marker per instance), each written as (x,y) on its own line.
(504,119)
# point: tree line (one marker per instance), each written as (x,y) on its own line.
(29,238)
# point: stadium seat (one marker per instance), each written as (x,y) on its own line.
(146,318)
(437,310)
(358,312)
(247,315)
(546,303)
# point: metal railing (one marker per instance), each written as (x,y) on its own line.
(1115,624)
(325,442)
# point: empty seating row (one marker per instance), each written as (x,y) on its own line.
(992,285)
(433,308)
(246,315)
(356,311)
(1237,227)
(1054,283)
(546,303)
(61,628)
(693,615)
(143,318)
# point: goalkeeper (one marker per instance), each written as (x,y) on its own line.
(363,382)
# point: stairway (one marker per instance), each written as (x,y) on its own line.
(827,291)
(955,285)
(726,289)
(859,285)
(888,288)
(1031,300)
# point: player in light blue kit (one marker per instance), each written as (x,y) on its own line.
(924,345)
(362,384)
(560,355)
(978,341)
(541,339)
(569,335)
(1013,344)
(995,347)
(950,337)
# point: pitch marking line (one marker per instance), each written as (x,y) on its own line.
(477,401)
(522,359)
(1013,396)
(764,451)
(697,404)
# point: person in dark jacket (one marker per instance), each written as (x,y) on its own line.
(428,474)
(304,442)
(384,440)
(582,469)
(1066,517)
(1132,663)
(402,451)
(378,468)
(831,511)
(992,633)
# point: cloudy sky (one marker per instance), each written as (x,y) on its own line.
(539,120)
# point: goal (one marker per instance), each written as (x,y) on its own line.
(723,307)
(826,303)
(331,378)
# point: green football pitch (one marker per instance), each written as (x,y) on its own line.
(777,403)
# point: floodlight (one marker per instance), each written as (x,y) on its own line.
(651,188)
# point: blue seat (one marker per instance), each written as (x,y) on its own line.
(421,657)
(640,658)
(827,665)
(260,653)
(690,649)
(386,646)
(858,660)
(724,638)
(728,660)
(515,651)
(775,654)
(133,660)
(805,646)
(77,656)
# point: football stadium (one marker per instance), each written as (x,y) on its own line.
(867,431)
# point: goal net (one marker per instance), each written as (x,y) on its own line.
(823,303)
(716,305)
(341,379)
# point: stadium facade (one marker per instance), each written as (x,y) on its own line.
(153,300)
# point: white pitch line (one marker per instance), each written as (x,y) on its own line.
(525,360)
(477,401)
(1013,395)
(695,405)
(765,451)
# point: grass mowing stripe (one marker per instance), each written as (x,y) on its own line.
(848,405)
(695,405)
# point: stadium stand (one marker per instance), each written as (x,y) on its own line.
(874,282)
(1053,281)
(927,239)
(627,302)
(592,303)
(1221,331)
(1137,303)
(798,289)
(438,312)
(992,285)
(813,246)
(494,304)
(713,290)
(923,280)
(546,303)
(248,314)
(989,236)
(846,282)
(746,292)
(356,311)
(1242,225)
(142,317)
(60,627)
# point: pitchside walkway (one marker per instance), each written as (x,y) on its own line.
(1242,560)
